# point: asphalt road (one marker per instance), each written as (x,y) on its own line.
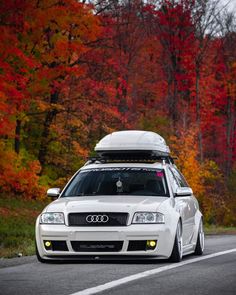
(208,274)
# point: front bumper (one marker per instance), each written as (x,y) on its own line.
(125,236)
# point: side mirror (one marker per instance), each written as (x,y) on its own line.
(183,192)
(53,192)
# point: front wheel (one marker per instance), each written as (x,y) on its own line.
(200,240)
(177,252)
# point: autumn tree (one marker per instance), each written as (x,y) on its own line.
(59,34)
(175,30)
(227,57)
(204,15)
(73,71)
(18,173)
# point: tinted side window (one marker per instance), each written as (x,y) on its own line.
(181,180)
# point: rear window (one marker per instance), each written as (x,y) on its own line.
(118,181)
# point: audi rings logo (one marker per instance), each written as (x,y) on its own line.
(97,218)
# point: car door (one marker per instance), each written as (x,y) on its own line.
(190,205)
(182,205)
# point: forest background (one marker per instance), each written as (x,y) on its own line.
(72,71)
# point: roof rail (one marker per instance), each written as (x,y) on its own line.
(129,158)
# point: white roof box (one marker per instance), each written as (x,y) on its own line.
(133,141)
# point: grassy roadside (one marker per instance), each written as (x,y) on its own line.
(17,220)
(219,230)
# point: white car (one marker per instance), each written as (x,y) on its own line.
(128,202)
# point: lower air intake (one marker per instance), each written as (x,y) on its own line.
(97,246)
(137,246)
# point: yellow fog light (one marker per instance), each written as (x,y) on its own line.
(151,244)
(48,244)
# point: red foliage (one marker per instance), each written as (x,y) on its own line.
(69,75)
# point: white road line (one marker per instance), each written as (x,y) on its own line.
(147,273)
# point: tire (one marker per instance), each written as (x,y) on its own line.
(200,240)
(177,252)
(40,259)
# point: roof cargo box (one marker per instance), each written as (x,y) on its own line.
(132,142)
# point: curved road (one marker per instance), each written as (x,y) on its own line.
(212,273)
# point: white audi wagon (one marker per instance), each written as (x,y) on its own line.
(130,201)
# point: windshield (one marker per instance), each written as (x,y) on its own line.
(118,181)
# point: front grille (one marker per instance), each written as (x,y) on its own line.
(97,246)
(98,219)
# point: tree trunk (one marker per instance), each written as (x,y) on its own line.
(174,105)
(170,99)
(50,116)
(198,115)
(17,136)
(230,135)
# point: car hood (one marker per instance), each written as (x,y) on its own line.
(129,204)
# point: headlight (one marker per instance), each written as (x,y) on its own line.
(52,218)
(148,217)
